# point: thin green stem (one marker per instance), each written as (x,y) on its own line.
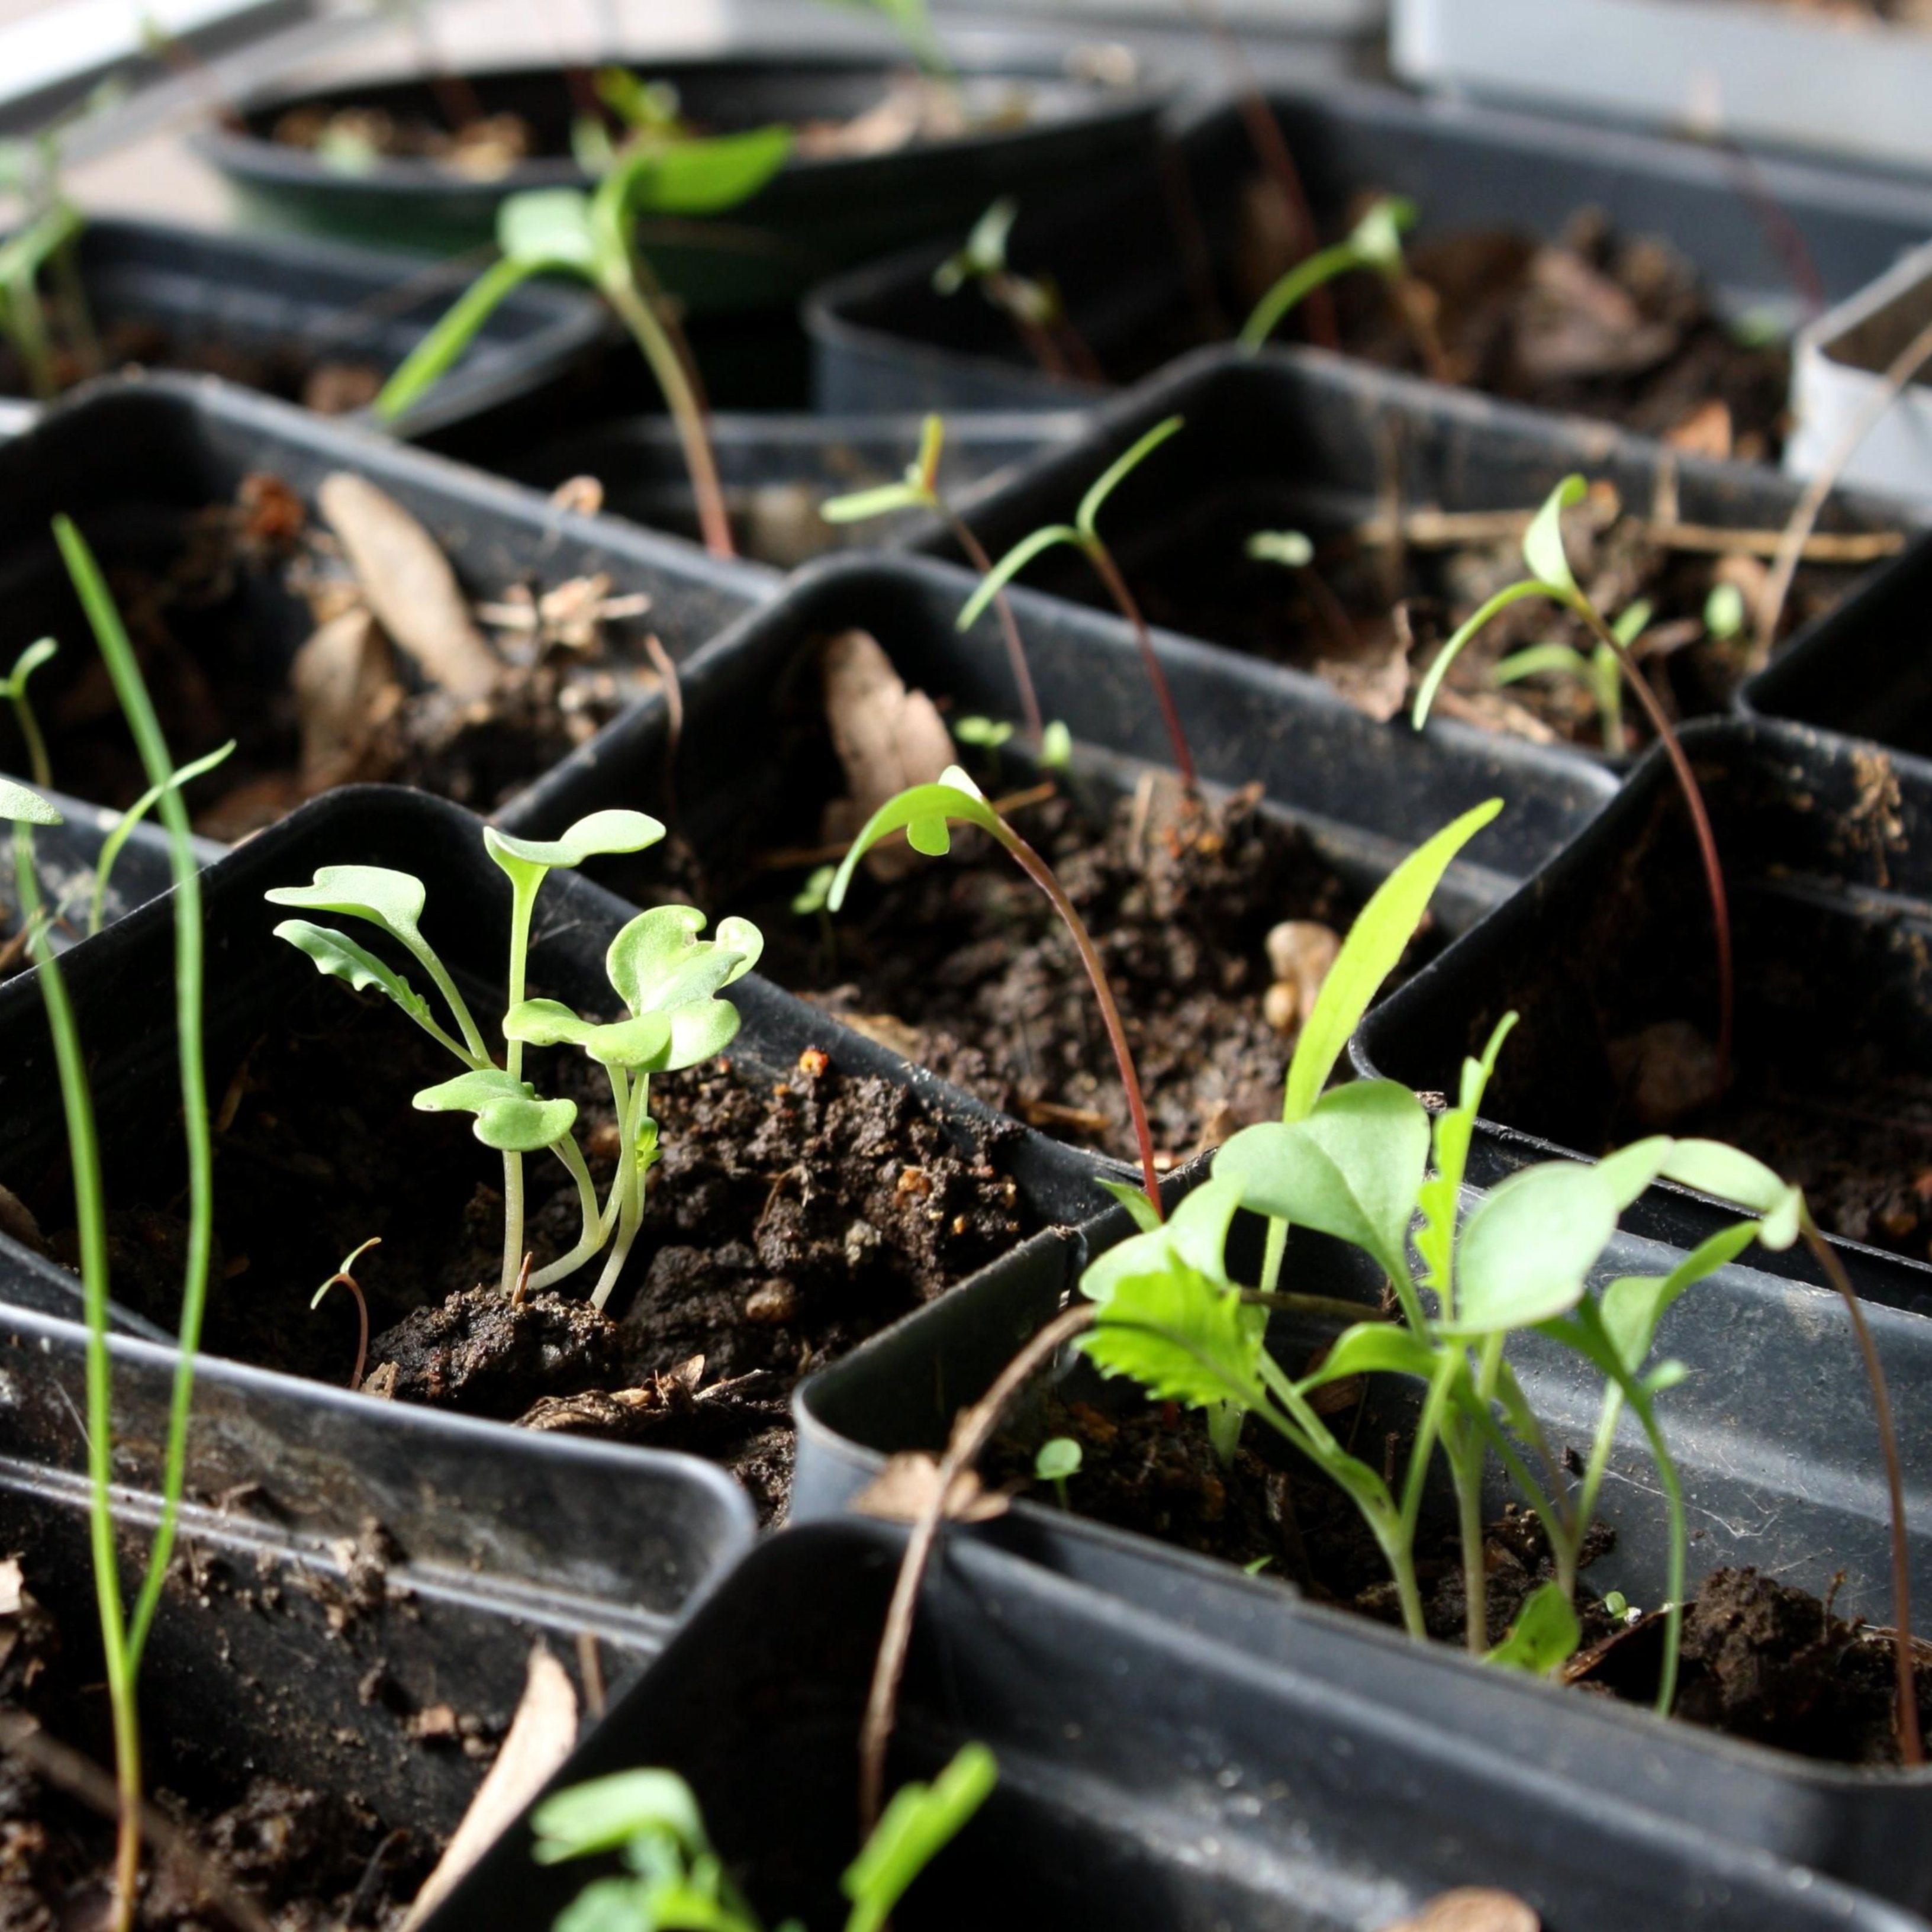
(1016,657)
(475,1050)
(1570,1551)
(630,1180)
(1102,559)
(1673,1495)
(1308,274)
(592,1238)
(524,889)
(28,327)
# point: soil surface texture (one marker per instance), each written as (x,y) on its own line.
(1760,1659)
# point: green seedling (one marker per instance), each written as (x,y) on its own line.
(1083,535)
(1295,550)
(647,111)
(667,977)
(123,1633)
(675,1881)
(925,813)
(1374,244)
(1551,578)
(1600,673)
(1058,1458)
(345,1275)
(1031,303)
(1724,613)
(919,490)
(564,231)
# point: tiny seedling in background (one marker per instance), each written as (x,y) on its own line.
(675,1878)
(919,490)
(667,977)
(345,1276)
(564,231)
(1551,578)
(1295,550)
(924,813)
(1374,244)
(984,734)
(1083,534)
(1031,303)
(1058,1458)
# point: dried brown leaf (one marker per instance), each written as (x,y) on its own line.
(902,1492)
(344,685)
(1471,1908)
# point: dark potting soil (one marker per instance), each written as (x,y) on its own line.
(1760,1659)
(312,1860)
(1370,623)
(962,965)
(217,602)
(785,1223)
(330,384)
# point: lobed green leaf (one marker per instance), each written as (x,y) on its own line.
(1181,1337)
(509,1117)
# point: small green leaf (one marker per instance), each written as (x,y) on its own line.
(1294,550)
(1712,1168)
(338,955)
(1629,624)
(1181,1337)
(923,471)
(547,226)
(1131,1196)
(1375,943)
(1373,1348)
(863,504)
(1543,541)
(696,177)
(985,251)
(640,1045)
(659,965)
(1056,747)
(1118,472)
(1010,565)
(1439,669)
(1632,1306)
(918,1823)
(923,813)
(599,834)
(39,652)
(811,897)
(984,734)
(1194,1236)
(1376,239)
(392,902)
(1351,1168)
(26,807)
(1541,660)
(1628,1171)
(1454,1126)
(1528,1247)
(1543,1637)
(1058,1458)
(509,1116)
(1724,610)
(605,1813)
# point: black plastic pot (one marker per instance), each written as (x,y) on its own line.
(1855,671)
(1771,1435)
(816,215)
(260,991)
(284,314)
(884,340)
(139,464)
(1822,842)
(1146,1777)
(347,1566)
(1365,795)
(1313,442)
(776,470)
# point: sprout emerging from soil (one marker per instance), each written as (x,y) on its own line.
(651,1819)
(667,978)
(1032,303)
(564,231)
(1551,577)
(1083,535)
(1374,243)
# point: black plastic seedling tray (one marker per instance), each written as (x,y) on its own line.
(1146,1777)
(236,304)
(1365,799)
(776,470)
(1823,842)
(123,992)
(884,340)
(1772,1435)
(1318,444)
(816,214)
(358,1587)
(1859,670)
(139,464)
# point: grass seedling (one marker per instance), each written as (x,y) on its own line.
(676,1881)
(1031,303)
(667,977)
(1058,1458)
(564,231)
(1374,244)
(1550,577)
(1600,674)
(919,490)
(124,1635)
(1084,537)
(345,1274)
(924,813)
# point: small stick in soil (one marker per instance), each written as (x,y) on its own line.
(1428,529)
(346,1278)
(84,1781)
(1805,512)
(1911,1747)
(970,1434)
